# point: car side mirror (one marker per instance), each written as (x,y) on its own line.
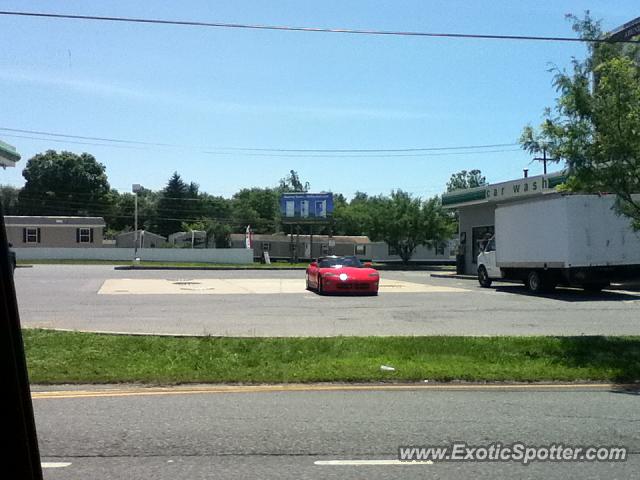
(368,265)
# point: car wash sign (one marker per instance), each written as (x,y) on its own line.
(306,207)
(523,187)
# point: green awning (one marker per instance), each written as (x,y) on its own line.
(8,155)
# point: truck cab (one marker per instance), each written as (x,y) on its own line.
(487,266)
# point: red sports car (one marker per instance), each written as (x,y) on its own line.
(342,275)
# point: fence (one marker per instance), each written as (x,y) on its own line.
(208,255)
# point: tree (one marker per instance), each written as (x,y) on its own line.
(594,127)
(257,207)
(352,218)
(218,234)
(292,183)
(215,207)
(174,208)
(466,179)
(404,222)
(64,184)
(9,199)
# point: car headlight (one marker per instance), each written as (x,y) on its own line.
(343,276)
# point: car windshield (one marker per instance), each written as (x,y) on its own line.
(335,262)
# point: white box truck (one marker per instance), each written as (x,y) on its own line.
(573,240)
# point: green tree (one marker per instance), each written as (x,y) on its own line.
(215,208)
(464,179)
(9,199)
(64,183)
(355,217)
(218,234)
(175,206)
(292,183)
(594,127)
(405,222)
(257,207)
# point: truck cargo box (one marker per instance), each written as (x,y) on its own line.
(564,231)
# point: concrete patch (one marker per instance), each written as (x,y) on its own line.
(238,286)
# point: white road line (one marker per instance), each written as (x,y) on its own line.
(55,464)
(369,462)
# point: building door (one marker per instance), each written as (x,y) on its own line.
(480,235)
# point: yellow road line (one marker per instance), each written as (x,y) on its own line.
(182,390)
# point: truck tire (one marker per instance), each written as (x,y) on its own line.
(536,282)
(483,277)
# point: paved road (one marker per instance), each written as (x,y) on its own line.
(67,297)
(283,434)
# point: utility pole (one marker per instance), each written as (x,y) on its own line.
(544,159)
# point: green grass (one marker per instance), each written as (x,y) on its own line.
(161,264)
(68,357)
(72,262)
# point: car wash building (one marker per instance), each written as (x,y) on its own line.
(476,211)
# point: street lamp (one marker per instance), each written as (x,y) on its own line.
(135,188)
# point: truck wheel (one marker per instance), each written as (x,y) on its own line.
(483,277)
(535,282)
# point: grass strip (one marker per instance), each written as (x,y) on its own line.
(73,357)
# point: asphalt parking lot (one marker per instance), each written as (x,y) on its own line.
(275,303)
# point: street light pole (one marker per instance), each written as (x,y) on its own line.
(135,188)
(135,223)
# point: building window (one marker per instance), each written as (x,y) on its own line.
(31,235)
(361,249)
(440,248)
(266,246)
(325,249)
(84,235)
(480,236)
(392,251)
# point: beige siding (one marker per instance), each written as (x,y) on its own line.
(54,236)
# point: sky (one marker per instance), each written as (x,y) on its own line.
(209,92)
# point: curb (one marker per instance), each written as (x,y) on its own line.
(454,275)
(151,267)
(389,268)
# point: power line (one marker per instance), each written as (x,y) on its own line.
(384,155)
(101,139)
(253,149)
(187,23)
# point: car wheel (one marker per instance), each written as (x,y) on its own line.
(483,277)
(320,287)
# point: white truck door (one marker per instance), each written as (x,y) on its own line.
(488,259)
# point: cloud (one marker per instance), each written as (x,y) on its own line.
(177,100)
(84,86)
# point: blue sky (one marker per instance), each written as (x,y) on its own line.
(209,89)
